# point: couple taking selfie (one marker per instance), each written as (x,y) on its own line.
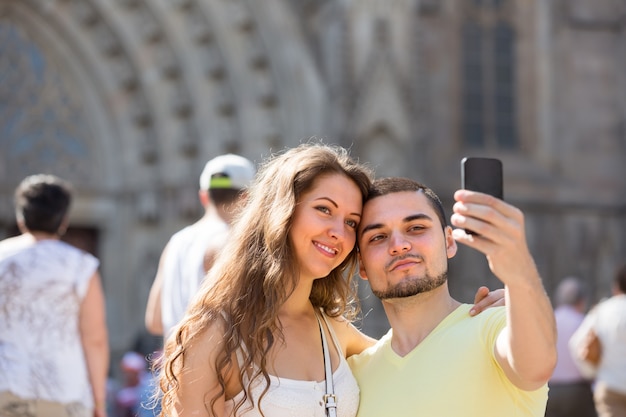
(270,331)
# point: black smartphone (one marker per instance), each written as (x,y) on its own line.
(483,175)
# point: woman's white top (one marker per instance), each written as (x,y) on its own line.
(42,286)
(297,398)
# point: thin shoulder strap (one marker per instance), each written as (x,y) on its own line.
(333,336)
(330,400)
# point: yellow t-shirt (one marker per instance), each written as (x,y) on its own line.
(451,373)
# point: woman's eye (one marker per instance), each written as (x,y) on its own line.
(352,223)
(323,209)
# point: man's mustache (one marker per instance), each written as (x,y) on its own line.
(401,258)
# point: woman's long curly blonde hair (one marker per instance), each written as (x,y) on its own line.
(257,270)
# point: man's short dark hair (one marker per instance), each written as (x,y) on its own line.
(42,202)
(390,185)
(224,196)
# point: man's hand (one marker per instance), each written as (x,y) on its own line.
(485,299)
(500,234)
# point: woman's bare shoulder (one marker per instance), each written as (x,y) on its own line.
(352,340)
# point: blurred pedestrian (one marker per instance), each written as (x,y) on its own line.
(570,392)
(133,398)
(608,322)
(54,353)
(190,252)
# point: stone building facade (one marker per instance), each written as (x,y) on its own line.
(127,99)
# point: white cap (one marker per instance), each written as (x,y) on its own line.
(227,171)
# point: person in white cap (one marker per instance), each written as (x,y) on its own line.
(189,253)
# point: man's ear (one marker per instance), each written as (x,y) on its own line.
(362,272)
(203,195)
(21,226)
(65,223)
(451,246)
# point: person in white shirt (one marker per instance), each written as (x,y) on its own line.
(608,321)
(570,392)
(190,252)
(54,353)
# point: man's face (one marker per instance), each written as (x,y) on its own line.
(404,250)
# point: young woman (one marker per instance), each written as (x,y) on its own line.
(250,343)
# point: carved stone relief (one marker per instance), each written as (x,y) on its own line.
(44,127)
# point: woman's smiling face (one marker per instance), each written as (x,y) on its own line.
(323,231)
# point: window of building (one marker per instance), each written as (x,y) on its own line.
(488,75)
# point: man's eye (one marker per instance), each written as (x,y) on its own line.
(376,238)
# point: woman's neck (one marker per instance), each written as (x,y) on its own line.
(298,302)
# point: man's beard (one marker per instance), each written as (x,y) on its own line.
(412,286)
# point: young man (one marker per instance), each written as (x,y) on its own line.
(437,360)
(189,253)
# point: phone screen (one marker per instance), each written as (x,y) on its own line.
(483,175)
